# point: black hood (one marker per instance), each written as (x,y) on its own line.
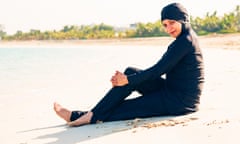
(175,11)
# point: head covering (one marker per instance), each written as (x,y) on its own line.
(175,11)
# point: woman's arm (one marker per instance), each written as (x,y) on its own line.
(176,51)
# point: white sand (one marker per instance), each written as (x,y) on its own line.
(31,120)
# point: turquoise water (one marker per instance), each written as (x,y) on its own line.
(58,73)
(45,71)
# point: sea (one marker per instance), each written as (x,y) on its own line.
(64,74)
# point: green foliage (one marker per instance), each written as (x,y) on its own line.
(149,29)
(211,23)
(2,33)
(229,23)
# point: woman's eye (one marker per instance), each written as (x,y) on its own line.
(171,22)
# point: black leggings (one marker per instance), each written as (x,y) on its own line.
(155,100)
(114,105)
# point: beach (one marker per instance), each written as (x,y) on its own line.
(26,106)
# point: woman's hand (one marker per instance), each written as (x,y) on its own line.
(119,79)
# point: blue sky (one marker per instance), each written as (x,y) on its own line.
(54,14)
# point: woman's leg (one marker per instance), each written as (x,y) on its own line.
(141,107)
(112,99)
(110,102)
(115,101)
(120,93)
(116,97)
(73,118)
(100,112)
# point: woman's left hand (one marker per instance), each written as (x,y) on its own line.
(119,79)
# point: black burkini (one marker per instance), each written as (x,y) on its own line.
(177,94)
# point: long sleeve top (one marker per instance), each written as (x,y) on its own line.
(183,65)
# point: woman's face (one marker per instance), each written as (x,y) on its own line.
(172,27)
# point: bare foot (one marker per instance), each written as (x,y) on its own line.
(85,119)
(62,112)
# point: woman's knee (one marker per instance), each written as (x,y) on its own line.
(131,70)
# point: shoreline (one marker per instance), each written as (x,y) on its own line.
(225,41)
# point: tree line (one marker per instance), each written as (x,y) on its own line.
(210,23)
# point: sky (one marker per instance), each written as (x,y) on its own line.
(45,15)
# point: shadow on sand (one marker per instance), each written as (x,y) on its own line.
(72,135)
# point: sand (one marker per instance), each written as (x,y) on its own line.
(31,120)
(225,41)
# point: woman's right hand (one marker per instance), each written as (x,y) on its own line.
(119,79)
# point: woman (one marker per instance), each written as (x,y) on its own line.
(177,94)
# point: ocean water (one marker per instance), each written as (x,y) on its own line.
(65,74)
(84,72)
